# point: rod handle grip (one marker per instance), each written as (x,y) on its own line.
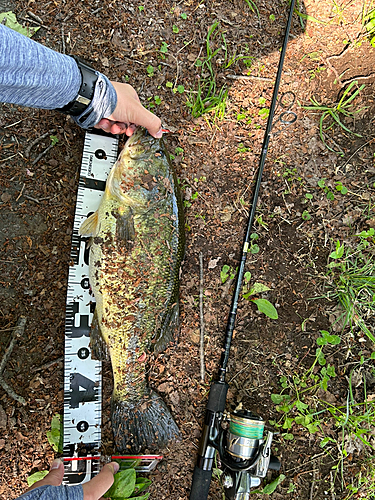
(200,484)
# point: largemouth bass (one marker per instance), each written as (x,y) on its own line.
(137,245)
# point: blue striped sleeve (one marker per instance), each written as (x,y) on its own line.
(54,493)
(35,76)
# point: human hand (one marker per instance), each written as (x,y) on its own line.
(92,490)
(129,113)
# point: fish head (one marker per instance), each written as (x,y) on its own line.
(139,168)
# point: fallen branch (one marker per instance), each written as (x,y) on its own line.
(38,139)
(17,332)
(48,365)
(201,349)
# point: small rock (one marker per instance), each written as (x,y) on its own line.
(5,197)
(175,398)
(213,263)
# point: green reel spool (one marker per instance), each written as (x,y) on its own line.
(247,425)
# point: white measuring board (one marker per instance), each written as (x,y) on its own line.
(82,375)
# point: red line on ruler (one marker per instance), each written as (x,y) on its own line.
(115,457)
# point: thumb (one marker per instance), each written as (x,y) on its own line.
(146,119)
(53,478)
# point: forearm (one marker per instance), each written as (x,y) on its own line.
(54,493)
(35,76)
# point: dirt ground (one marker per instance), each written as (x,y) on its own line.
(218,161)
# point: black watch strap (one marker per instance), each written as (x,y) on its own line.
(86,92)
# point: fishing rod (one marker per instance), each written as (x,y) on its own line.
(244,452)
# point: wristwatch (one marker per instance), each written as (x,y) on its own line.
(86,92)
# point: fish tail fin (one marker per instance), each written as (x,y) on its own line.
(171,323)
(142,424)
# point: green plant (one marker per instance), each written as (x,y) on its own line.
(352,283)
(249,290)
(164,48)
(227,272)
(306,215)
(328,192)
(344,107)
(253,7)
(126,483)
(208,98)
(55,436)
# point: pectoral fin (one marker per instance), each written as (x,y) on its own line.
(90,225)
(99,348)
(125,228)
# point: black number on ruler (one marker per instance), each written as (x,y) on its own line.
(82,426)
(83,330)
(89,393)
(100,154)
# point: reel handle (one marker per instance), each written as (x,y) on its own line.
(200,484)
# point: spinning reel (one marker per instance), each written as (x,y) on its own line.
(245,454)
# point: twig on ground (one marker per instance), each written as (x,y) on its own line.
(38,139)
(42,154)
(201,316)
(249,77)
(332,486)
(17,332)
(21,192)
(47,365)
(313,484)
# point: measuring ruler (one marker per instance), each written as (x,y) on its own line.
(82,375)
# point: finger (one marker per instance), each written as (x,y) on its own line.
(146,119)
(94,489)
(53,478)
(118,128)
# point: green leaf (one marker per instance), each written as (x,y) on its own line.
(288,423)
(224,273)
(339,252)
(288,436)
(266,308)
(331,371)
(277,398)
(123,485)
(247,276)
(312,428)
(141,497)
(164,48)
(55,435)
(256,288)
(333,339)
(301,406)
(141,484)
(37,476)
(270,488)
(12,23)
